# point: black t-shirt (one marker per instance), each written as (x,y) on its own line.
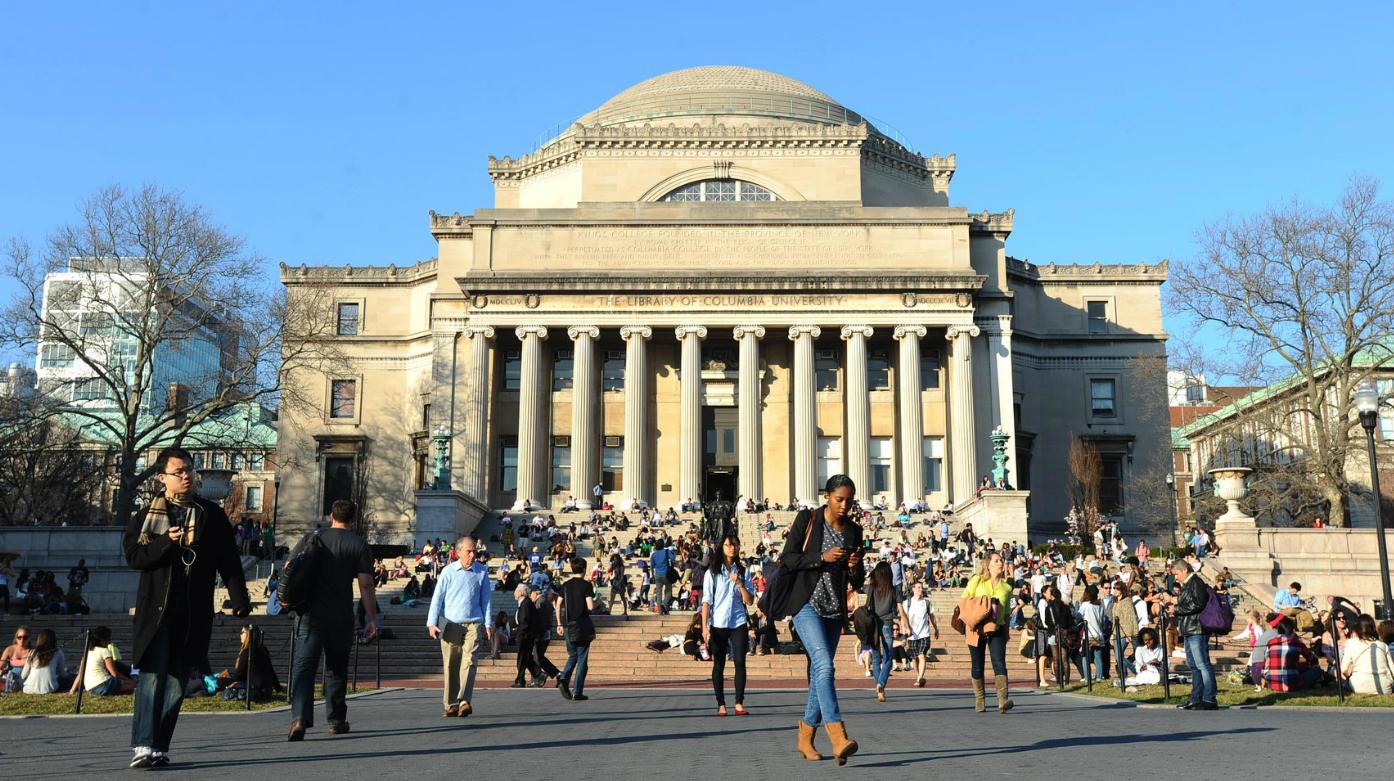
(573,594)
(348,557)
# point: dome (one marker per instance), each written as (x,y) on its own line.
(720,90)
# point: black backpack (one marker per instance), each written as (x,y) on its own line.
(302,573)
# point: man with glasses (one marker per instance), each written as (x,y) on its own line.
(179,543)
(459,619)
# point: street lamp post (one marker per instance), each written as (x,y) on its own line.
(1171,489)
(1367,404)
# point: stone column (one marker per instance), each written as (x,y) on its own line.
(962,430)
(805,414)
(636,413)
(911,437)
(532,427)
(690,412)
(583,400)
(856,440)
(748,400)
(476,418)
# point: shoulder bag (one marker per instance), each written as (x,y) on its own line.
(777,591)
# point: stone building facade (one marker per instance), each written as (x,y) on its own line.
(722,280)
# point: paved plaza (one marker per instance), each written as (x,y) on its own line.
(629,733)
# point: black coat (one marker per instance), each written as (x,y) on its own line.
(805,564)
(156,559)
(530,622)
(1189,605)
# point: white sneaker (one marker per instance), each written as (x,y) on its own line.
(143,757)
(868,673)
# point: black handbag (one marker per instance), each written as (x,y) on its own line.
(777,590)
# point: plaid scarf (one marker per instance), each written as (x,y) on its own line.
(157,518)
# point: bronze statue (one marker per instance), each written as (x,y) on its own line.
(718,519)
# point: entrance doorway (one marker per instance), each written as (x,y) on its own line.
(719,457)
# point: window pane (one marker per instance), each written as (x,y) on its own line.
(612,373)
(929,369)
(508,465)
(219,460)
(253,501)
(720,190)
(343,394)
(717,190)
(880,448)
(1111,484)
(1101,398)
(933,464)
(562,371)
(1098,316)
(512,370)
(561,468)
(825,370)
(612,468)
(348,319)
(1386,425)
(878,370)
(256,462)
(829,461)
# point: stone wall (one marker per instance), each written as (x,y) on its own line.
(112,587)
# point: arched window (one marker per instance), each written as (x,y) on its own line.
(720,190)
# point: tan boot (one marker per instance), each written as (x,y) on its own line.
(843,746)
(1004,703)
(979,695)
(806,749)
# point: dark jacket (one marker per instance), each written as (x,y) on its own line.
(1189,604)
(530,623)
(805,565)
(157,557)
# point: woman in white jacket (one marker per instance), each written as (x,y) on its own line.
(1366,664)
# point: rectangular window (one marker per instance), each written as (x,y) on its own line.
(425,417)
(829,461)
(1111,484)
(933,464)
(1098,316)
(198,460)
(825,370)
(56,356)
(256,462)
(348,319)
(253,499)
(508,464)
(878,370)
(929,369)
(563,369)
(512,370)
(561,463)
(612,372)
(880,465)
(612,464)
(90,390)
(1102,398)
(219,460)
(238,461)
(343,395)
(1386,425)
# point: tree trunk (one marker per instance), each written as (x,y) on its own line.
(1339,505)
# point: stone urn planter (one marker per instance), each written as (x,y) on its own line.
(215,485)
(1234,531)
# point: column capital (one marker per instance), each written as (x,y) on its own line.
(849,331)
(955,331)
(524,331)
(804,330)
(684,331)
(917,331)
(628,332)
(740,331)
(577,331)
(471,331)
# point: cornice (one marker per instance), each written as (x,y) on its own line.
(1085,273)
(890,281)
(366,275)
(996,223)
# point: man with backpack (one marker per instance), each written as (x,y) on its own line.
(331,559)
(1193,600)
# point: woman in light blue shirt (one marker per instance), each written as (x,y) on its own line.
(726,590)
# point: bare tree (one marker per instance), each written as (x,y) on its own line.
(144,291)
(1086,476)
(46,476)
(1305,298)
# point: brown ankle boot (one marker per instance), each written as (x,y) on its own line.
(806,749)
(1004,703)
(979,695)
(843,746)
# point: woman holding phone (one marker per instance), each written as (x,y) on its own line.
(726,591)
(822,561)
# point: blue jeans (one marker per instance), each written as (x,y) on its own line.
(1119,643)
(819,637)
(576,658)
(995,646)
(335,643)
(882,655)
(1202,674)
(159,691)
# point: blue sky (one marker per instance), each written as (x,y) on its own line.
(323,132)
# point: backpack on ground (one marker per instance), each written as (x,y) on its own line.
(1218,616)
(302,573)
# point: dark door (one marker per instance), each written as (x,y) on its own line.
(338,481)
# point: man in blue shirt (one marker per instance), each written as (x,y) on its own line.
(662,561)
(1288,597)
(458,618)
(897,575)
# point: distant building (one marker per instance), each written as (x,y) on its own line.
(17,380)
(1191,398)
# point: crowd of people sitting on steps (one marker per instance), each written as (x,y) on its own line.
(39,594)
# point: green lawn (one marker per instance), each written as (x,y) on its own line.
(1233,695)
(61,704)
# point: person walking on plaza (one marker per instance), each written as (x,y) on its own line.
(528,624)
(1187,609)
(326,626)
(883,602)
(822,562)
(547,617)
(574,616)
(179,543)
(919,611)
(619,584)
(459,619)
(990,582)
(726,591)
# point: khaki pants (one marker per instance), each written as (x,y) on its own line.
(459,666)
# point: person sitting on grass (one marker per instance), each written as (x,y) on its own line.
(1366,664)
(265,682)
(14,656)
(1290,665)
(102,676)
(45,670)
(1147,660)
